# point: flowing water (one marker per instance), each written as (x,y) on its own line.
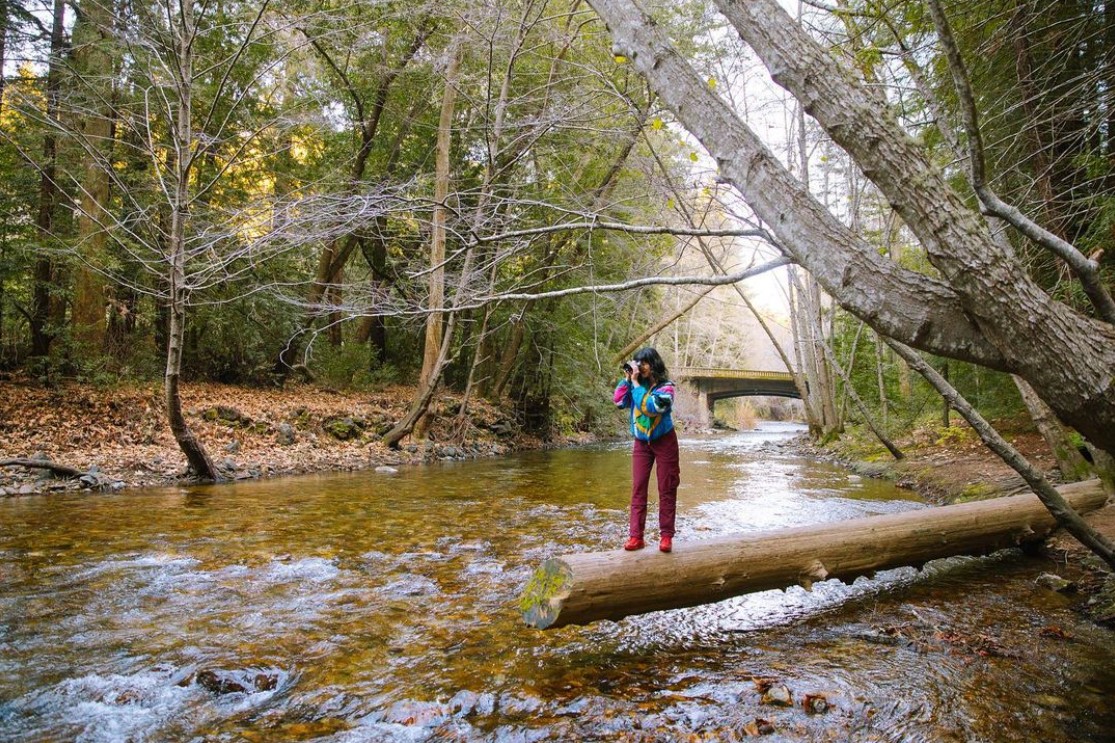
(382,607)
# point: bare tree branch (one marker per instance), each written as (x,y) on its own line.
(639,283)
(1087,271)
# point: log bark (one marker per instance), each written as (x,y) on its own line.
(583,588)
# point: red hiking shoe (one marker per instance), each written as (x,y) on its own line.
(666,544)
(634,543)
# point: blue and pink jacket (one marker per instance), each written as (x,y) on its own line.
(650,408)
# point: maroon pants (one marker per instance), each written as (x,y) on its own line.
(664,451)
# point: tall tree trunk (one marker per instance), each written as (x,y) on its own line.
(44,273)
(880,381)
(500,158)
(435,321)
(373,330)
(823,388)
(510,354)
(814,418)
(1108,90)
(822,351)
(95,58)
(815,357)
(196,455)
(5,21)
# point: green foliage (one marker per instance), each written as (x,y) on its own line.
(908,397)
(954,435)
(236,342)
(351,366)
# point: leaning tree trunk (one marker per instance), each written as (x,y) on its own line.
(196,455)
(1061,511)
(1072,464)
(426,390)
(984,309)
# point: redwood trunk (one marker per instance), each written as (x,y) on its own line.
(94,56)
(44,275)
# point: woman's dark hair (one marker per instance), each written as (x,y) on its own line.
(657,365)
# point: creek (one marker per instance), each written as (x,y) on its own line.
(382,607)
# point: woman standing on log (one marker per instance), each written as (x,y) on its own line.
(649,394)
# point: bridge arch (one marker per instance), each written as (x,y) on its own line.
(700,387)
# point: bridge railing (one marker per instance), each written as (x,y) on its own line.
(692,372)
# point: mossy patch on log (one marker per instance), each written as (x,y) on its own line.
(540,603)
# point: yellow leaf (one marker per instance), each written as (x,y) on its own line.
(712,83)
(656,123)
(620,59)
(693,156)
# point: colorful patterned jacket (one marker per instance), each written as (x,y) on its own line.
(650,408)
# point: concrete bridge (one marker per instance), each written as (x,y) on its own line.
(699,388)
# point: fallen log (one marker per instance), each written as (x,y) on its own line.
(583,588)
(44,464)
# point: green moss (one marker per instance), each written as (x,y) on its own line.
(976,491)
(537,604)
(954,435)
(343,429)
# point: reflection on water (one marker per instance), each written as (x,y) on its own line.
(382,607)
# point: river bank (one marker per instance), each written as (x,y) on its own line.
(953,466)
(116,438)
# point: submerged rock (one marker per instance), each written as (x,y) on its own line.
(1055,583)
(778,695)
(247,681)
